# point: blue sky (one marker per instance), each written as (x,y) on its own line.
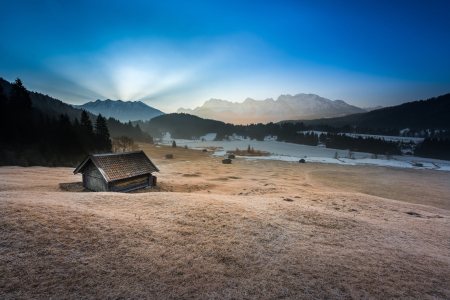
(172,54)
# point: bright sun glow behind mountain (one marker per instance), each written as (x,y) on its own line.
(182,53)
(133,72)
(168,75)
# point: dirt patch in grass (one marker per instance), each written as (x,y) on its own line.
(74,187)
(220,179)
(175,187)
(191,175)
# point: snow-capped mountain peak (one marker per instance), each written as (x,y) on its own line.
(285,107)
(123,111)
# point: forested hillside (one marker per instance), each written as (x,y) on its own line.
(53,108)
(33,138)
(418,115)
(185,126)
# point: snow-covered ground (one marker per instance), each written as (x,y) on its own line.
(293,152)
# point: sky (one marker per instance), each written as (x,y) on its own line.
(172,54)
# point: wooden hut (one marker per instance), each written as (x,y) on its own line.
(117,172)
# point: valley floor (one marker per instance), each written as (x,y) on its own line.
(250,230)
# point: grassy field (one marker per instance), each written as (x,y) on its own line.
(249,230)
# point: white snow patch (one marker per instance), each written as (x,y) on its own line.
(270,138)
(294,152)
(209,136)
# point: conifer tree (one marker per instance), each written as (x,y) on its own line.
(3,109)
(68,144)
(20,115)
(174,144)
(3,99)
(102,134)
(19,99)
(76,123)
(86,123)
(87,132)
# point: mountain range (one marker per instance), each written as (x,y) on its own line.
(300,106)
(418,116)
(123,111)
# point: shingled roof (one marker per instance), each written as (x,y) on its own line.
(116,166)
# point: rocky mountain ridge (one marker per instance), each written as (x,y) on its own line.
(123,111)
(298,106)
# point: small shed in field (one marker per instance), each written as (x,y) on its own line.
(117,172)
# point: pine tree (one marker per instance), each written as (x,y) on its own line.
(174,144)
(102,134)
(87,132)
(68,143)
(19,99)
(3,100)
(3,110)
(20,116)
(76,123)
(86,123)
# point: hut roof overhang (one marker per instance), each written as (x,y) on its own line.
(116,166)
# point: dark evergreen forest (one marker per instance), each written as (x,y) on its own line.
(434,148)
(32,138)
(369,144)
(54,108)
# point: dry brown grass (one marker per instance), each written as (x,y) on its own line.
(233,237)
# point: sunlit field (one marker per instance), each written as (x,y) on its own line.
(250,230)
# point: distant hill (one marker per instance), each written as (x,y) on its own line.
(123,111)
(372,108)
(417,115)
(182,126)
(305,106)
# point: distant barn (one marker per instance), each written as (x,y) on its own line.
(117,172)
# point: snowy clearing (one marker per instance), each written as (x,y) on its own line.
(293,152)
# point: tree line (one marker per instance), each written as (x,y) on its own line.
(434,148)
(32,138)
(360,144)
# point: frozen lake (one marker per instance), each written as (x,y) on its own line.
(293,152)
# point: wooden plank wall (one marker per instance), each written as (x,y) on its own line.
(141,181)
(93,180)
